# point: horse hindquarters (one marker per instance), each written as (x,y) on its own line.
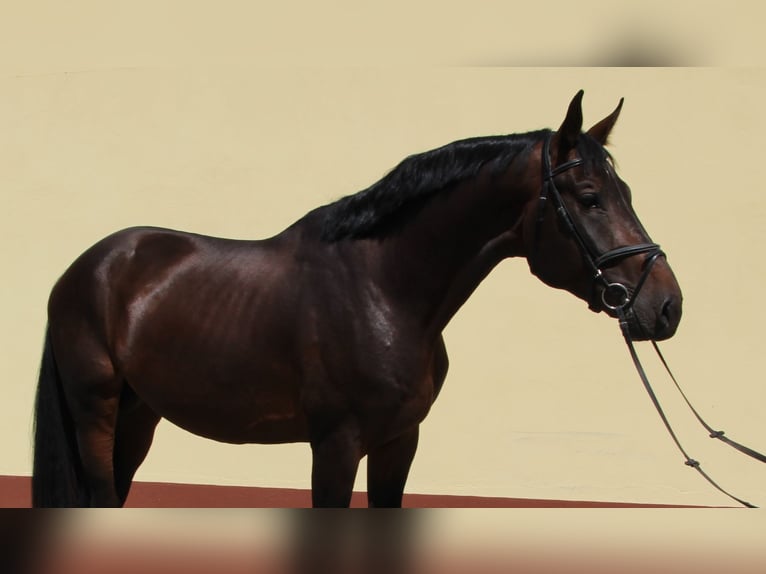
(57,474)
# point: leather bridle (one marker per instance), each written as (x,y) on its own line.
(614,295)
(619,298)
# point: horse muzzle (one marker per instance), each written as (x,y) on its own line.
(648,318)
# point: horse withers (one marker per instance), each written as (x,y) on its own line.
(331,331)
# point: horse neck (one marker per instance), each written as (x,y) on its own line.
(434,264)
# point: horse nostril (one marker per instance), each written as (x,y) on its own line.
(670,315)
(671,309)
(665,312)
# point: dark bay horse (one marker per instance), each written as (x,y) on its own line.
(330,332)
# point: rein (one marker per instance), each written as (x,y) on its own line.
(620,299)
(713,433)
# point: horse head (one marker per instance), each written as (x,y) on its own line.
(584,236)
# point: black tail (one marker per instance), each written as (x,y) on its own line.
(57,474)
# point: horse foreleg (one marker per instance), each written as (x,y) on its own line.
(336,457)
(387,470)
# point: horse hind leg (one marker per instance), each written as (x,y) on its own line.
(95,422)
(136,423)
(92,390)
(113,436)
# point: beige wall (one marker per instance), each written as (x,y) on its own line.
(541,399)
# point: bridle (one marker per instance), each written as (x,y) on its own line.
(615,296)
(619,298)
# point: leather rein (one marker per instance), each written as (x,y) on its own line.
(620,299)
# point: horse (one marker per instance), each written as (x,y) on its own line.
(330,332)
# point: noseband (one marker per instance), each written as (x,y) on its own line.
(615,296)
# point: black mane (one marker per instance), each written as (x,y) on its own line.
(387,204)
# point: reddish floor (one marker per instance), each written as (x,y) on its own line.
(15,492)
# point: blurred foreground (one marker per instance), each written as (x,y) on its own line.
(409,541)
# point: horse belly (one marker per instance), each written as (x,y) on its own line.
(272,420)
(241,427)
(235,403)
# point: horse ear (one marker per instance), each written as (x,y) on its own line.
(570,130)
(600,132)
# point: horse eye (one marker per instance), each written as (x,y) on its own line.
(589,200)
